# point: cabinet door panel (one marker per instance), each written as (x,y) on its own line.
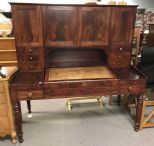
(94,26)
(60,25)
(122,26)
(27,22)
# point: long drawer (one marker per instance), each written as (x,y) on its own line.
(33,94)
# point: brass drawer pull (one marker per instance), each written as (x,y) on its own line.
(30,94)
(120,49)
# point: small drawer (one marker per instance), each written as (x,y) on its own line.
(4,123)
(132,89)
(30,66)
(28,50)
(119,59)
(2,98)
(2,87)
(28,58)
(121,48)
(3,110)
(30,94)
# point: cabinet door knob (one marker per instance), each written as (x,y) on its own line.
(30,94)
(120,49)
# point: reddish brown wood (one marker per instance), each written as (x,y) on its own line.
(73,35)
(93,26)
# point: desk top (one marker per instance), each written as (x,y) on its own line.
(74,73)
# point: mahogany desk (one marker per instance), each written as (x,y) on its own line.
(81,48)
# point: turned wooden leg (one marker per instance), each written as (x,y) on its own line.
(138,112)
(18,120)
(119,100)
(13,136)
(29,106)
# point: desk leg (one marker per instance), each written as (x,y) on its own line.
(18,120)
(119,100)
(29,106)
(138,111)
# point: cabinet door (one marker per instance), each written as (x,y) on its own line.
(27,25)
(94,26)
(122,26)
(60,25)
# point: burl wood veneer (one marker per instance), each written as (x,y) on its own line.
(81,48)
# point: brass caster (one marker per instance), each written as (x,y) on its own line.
(14,141)
(68,104)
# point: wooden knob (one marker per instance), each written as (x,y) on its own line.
(30,58)
(29,94)
(30,50)
(40,82)
(120,49)
(31,66)
(119,56)
(130,88)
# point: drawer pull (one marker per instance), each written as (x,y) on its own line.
(120,49)
(119,56)
(30,58)
(30,94)
(30,50)
(130,88)
(31,66)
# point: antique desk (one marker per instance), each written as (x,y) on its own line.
(71,51)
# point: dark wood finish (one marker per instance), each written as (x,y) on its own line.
(28,20)
(73,36)
(150,37)
(93,26)
(29,106)
(60,24)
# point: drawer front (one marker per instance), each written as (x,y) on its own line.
(131,89)
(4,123)
(3,110)
(31,66)
(28,50)
(2,98)
(33,94)
(119,59)
(28,58)
(2,87)
(8,56)
(121,48)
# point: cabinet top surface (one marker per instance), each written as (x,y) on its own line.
(58,4)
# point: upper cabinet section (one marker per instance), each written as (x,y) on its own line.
(71,26)
(60,25)
(122,24)
(94,26)
(28,30)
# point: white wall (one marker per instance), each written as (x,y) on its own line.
(142,3)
